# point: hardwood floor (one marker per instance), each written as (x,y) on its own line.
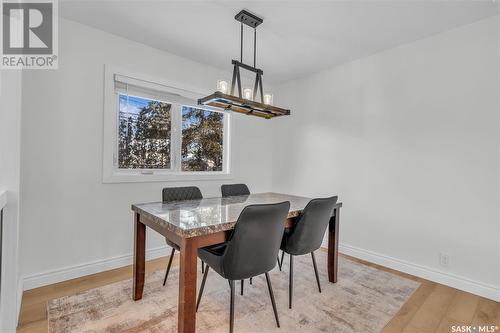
(432,308)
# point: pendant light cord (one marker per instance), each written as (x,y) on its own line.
(241,43)
(254,46)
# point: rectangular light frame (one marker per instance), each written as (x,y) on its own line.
(241,105)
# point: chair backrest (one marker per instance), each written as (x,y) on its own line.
(255,241)
(234,189)
(181,193)
(307,234)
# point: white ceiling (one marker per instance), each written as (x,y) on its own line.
(297,37)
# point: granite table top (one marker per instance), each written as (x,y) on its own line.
(192,218)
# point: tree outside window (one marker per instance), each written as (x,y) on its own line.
(202,140)
(145,136)
(143,133)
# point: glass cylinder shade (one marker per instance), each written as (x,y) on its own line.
(268,99)
(248,93)
(223,86)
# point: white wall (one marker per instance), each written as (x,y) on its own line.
(69,217)
(10,129)
(409,140)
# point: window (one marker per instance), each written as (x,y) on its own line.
(202,139)
(156,132)
(144,127)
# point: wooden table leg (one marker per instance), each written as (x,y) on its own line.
(333,246)
(187,286)
(139,257)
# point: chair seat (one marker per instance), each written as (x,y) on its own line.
(172,244)
(212,256)
(290,248)
(284,240)
(286,246)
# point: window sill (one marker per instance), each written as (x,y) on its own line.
(132,177)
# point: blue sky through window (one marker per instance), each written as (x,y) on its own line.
(135,104)
(188,122)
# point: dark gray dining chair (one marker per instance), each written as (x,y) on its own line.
(239,258)
(170,194)
(307,235)
(229,190)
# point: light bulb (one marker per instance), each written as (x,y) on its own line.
(223,86)
(247,93)
(268,99)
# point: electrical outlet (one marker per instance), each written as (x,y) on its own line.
(444,259)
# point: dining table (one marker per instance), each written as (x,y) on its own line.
(193,224)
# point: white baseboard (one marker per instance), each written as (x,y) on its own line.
(76,271)
(451,280)
(97,266)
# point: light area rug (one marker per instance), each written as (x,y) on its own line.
(363,300)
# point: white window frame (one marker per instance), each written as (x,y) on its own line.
(112,174)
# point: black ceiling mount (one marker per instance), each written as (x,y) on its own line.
(248,18)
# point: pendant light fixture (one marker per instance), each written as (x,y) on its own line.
(246,101)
